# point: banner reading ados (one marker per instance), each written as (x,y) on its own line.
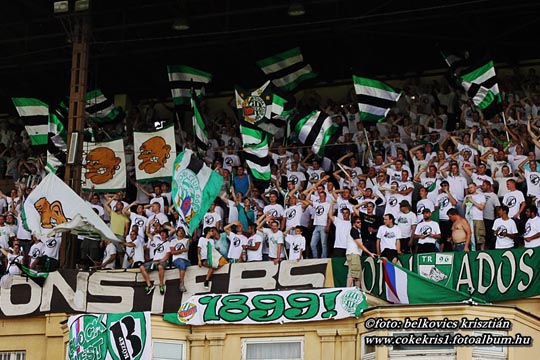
(110,336)
(270,307)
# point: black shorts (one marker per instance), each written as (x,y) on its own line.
(390,254)
(426,248)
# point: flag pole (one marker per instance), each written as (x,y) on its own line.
(505,126)
(369,146)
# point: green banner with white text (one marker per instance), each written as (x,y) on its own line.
(493,275)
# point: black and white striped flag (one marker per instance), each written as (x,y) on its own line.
(287,70)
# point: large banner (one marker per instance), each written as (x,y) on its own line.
(493,275)
(270,307)
(110,336)
(108,292)
(155,153)
(498,275)
(104,166)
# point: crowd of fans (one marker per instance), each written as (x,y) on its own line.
(436,175)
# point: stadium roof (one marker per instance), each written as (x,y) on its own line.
(133,40)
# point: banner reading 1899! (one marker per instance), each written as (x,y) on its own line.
(270,307)
(110,336)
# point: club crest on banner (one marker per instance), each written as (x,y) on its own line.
(189,195)
(254,108)
(154,153)
(110,336)
(436,267)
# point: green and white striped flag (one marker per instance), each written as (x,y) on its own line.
(375,98)
(316,129)
(481,85)
(255,145)
(194,187)
(100,109)
(287,70)
(35,115)
(183,79)
(199,128)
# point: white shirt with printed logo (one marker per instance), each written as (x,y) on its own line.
(532,227)
(427,228)
(388,236)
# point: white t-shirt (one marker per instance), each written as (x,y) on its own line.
(52,246)
(137,252)
(343,229)
(504,227)
(255,255)
(275,210)
(110,250)
(203,244)
(293,215)
(389,236)
(140,221)
(478,214)
(162,249)
(296,177)
(427,228)
(420,206)
(5,234)
(12,268)
(405,222)
(36,250)
(320,213)
(444,203)
(235,247)
(211,219)
(532,227)
(458,184)
(180,244)
(297,244)
(533,183)
(273,240)
(513,200)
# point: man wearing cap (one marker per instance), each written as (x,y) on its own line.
(445,201)
(406,221)
(427,232)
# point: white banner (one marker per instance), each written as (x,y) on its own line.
(110,336)
(270,307)
(104,166)
(54,207)
(154,154)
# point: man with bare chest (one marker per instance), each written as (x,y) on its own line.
(461,231)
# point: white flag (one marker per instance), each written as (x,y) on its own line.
(154,154)
(54,207)
(104,166)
